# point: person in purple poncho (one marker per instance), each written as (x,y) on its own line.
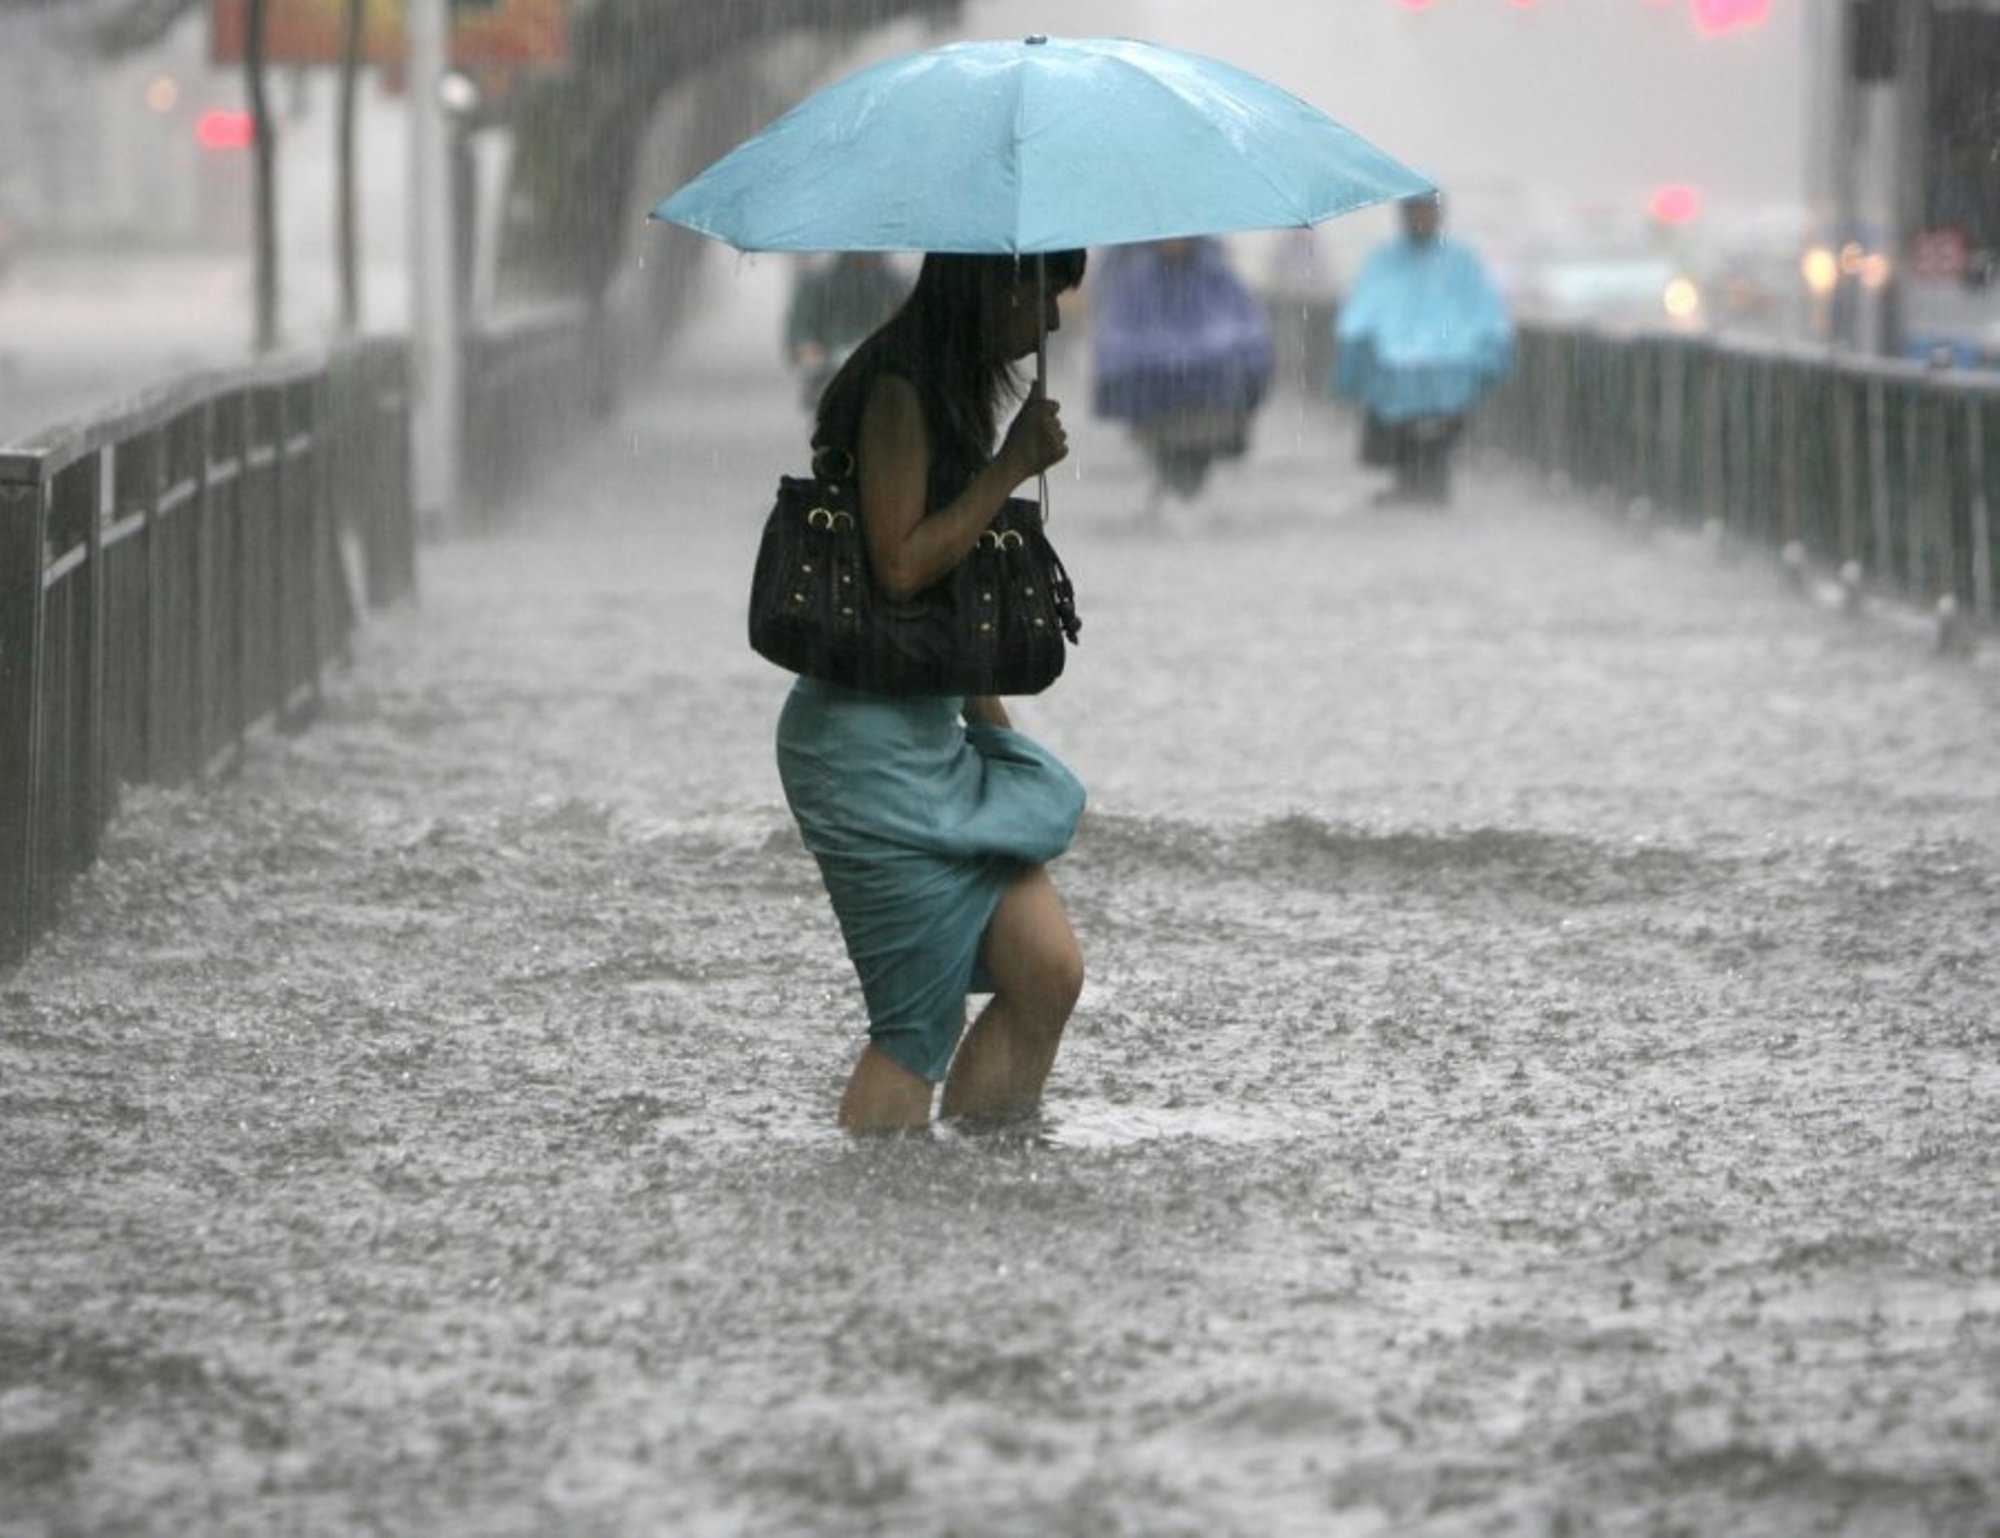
(1183,354)
(1422,336)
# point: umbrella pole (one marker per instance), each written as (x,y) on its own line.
(1041,323)
(1041,388)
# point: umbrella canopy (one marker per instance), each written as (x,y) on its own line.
(1034,146)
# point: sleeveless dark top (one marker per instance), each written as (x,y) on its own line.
(957,452)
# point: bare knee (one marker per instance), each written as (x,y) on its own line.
(1048,986)
(1065,977)
(1032,952)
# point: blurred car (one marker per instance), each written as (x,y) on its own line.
(1614,284)
(1952,326)
(1951,308)
(1756,291)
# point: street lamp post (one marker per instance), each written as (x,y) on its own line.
(434,319)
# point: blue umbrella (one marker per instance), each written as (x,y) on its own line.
(1034,146)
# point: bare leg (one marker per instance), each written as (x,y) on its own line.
(1037,971)
(884,1096)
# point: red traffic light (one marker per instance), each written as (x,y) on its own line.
(1727,15)
(221,129)
(1674,204)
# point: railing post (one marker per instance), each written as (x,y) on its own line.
(1947,554)
(1712,478)
(93,804)
(210,699)
(1671,453)
(24,515)
(1847,492)
(304,548)
(176,544)
(1790,426)
(1556,401)
(1761,447)
(1981,511)
(1915,500)
(238,599)
(323,569)
(1878,479)
(1645,418)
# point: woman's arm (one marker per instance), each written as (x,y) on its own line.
(908,550)
(987,708)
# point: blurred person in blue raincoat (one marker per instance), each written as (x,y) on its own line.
(1183,354)
(1423,334)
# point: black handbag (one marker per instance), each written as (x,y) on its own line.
(1000,623)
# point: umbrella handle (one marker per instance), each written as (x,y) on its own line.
(1042,359)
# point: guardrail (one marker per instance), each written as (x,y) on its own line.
(177,574)
(171,580)
(533,380)
(1885,473)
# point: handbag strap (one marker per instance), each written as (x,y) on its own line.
(832,464)
(1062,592)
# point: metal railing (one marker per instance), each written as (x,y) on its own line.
(177,574)
(171,579)
(534,380)
(1887,473)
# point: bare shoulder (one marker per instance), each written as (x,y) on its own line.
(892,395)
(892,414)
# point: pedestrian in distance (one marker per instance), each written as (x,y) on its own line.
(1421,337)
(833,307)
(1302,298)
(1183,356)
(931,818)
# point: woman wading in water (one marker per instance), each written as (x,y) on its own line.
(931,819)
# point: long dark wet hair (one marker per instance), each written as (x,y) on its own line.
(937,341)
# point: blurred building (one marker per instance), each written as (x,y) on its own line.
(128,150)
(1907,178)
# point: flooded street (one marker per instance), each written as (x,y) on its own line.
(1537,1075)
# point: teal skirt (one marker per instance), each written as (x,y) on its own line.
(918,821)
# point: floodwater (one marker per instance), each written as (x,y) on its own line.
(1537,1075)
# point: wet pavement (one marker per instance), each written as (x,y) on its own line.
(1538,1072)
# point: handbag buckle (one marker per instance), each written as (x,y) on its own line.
(830,463)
